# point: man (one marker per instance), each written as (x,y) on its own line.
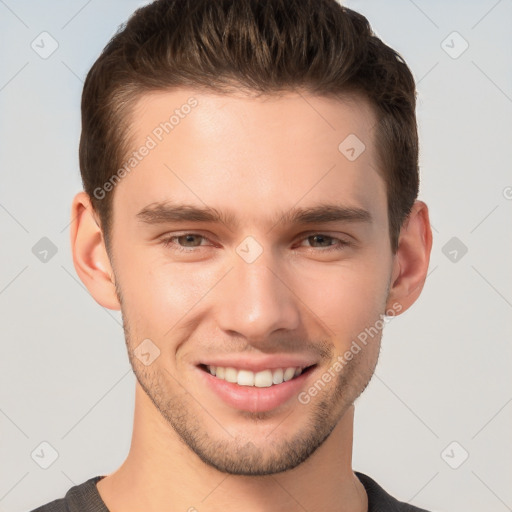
(251,172)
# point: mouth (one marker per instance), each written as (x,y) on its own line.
(267,378)
(257,391)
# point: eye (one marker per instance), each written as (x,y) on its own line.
(328,243)
(191,242)
(175,242)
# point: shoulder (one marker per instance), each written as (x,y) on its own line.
(79,498)
(380,501)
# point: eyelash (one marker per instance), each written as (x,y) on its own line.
(168,241)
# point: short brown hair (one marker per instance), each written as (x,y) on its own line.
(265,46)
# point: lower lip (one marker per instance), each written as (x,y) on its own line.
(251,398)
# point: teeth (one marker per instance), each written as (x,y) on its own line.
(277,376)
(245,378)
(230,375)
(289,374)
(263,379)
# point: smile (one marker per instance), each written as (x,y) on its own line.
(255,391)
(261,379)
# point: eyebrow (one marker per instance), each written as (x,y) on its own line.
(167,212)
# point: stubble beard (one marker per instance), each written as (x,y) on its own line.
(237,455)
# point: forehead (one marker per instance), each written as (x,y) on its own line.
(250,156)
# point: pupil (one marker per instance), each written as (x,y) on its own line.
(189,238)
(321,237)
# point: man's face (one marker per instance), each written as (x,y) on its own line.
(257,290)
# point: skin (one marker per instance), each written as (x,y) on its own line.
(256,157)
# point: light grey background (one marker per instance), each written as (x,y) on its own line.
(444,371)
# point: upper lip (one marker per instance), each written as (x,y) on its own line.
(257,364)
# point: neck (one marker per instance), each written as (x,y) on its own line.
(162,473)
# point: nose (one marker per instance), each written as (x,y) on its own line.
(257,300)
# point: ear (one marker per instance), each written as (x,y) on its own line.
(90,256)
(411,260)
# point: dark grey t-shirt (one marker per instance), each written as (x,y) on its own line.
(86,498)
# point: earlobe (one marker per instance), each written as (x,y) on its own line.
(411,259)
(90,257)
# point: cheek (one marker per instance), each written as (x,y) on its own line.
(347,299)
(158,295)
